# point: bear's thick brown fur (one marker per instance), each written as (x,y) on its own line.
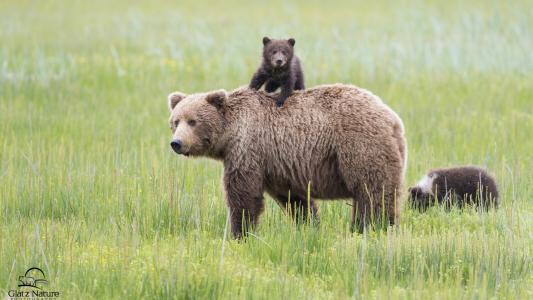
(340,140)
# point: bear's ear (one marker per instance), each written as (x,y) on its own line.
(266,40)
(291,41)
(174,98)
(217,98)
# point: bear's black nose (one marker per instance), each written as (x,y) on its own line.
(279,61)
(176,146)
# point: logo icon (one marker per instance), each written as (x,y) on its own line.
(34,277)
(30,285)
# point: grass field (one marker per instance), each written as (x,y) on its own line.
(91,192)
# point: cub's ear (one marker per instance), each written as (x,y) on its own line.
(217,98)
(174,98)
(291,41)
(266,40)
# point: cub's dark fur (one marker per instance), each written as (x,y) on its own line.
(455,186)
(279,68)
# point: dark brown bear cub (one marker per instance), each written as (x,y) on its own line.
(455,186)
(279,68)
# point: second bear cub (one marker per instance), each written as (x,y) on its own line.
(459,185)
(279,68)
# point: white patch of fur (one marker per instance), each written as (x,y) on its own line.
(426,184)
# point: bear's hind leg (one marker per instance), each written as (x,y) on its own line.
(374,199)
(299,83)
(375,206)
(372,179)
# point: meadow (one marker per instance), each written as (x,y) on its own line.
(91,192)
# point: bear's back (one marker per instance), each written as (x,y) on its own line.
(323,110)
(331,98)
(307,133)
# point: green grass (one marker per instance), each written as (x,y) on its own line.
(91,193)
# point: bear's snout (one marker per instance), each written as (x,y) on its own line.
(278,60)
(176,146)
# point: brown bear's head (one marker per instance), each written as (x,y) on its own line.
(197,122)
(278,53)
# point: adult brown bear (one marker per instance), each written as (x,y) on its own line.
(338,140)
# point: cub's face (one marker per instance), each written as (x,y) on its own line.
(419,199)
(196,121)
(278,53)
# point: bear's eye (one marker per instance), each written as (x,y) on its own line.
(176,123)
(191,122)
(274,52)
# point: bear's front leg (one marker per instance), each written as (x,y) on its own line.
(271,86)
(286,90)
(244,196)
(258,79)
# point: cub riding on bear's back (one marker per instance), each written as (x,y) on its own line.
(279,68)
